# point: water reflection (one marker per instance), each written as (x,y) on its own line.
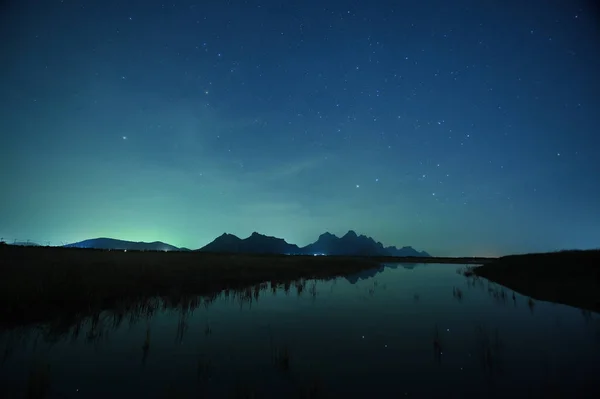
(366,336)
(367,274)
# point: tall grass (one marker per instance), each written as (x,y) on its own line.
(64,285)
(567,277)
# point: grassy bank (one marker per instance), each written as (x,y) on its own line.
(45,284)
(567,277)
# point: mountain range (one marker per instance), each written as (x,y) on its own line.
(350,244)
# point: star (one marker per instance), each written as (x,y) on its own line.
(368,110)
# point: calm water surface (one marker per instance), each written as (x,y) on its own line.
(420,332)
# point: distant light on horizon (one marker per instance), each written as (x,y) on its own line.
(453,144)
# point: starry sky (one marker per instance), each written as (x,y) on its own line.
(464,127)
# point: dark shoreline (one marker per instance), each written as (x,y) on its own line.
(566,277)
(44,284)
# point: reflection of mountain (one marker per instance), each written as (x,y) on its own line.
(365,274)
(111,243)
(370,273)
(409,266)
(350,244)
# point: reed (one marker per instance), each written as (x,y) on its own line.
(66,285)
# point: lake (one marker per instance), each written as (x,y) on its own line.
(418,331)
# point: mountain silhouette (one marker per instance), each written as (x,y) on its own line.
(255,244)
(351,244)
(406,251)
(111,243)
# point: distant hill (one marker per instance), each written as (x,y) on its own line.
(255,244)
(350,244)
(111,243)
(407,251)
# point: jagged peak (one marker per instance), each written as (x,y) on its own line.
(256,234)
(227,235)
(327,235)
(351,234)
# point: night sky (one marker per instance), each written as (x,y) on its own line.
(463,127)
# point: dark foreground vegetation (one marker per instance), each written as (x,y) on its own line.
(50,284)
(567,277)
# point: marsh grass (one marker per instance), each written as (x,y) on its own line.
(182,325)
(490,348)
(457,294)
(281,359)
(313,289)
(146,347)
(498,293)
(300,284)
(467,271)
(280,355)
(567,277)
(531,304)
(63,286)
(96,328)
(437,345)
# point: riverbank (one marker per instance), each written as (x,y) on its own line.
(45,284)
(567,277)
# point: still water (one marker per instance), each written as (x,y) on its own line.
(418,331)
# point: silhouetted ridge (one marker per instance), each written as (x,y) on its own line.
(256,243)
(351,244)
(111,243)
